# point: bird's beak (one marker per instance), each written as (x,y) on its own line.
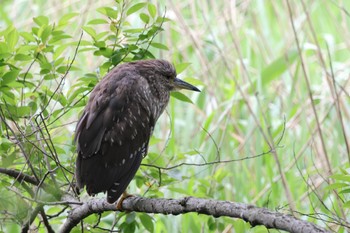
(179,84)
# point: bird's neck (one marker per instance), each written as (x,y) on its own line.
(159,105)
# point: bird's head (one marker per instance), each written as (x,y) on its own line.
(163,73)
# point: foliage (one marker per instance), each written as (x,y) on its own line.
(256,73)
(39,96)
(342,183)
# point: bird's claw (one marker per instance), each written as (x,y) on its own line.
(124,196)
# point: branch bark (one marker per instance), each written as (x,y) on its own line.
(249,213)
(19,176)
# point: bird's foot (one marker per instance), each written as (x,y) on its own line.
(124,196)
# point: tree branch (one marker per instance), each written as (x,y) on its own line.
(19,176)
(249,213)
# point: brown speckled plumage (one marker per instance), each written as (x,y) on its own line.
(113,133)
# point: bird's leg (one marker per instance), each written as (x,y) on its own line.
(121,199)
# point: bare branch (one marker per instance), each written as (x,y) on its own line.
(45,221)
(33,215)
(19,176)
(208,163)
(252,214)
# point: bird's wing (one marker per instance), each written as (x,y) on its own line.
(107,100)
(113,136)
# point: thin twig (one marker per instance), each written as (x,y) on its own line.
(208,163)
(337,105)
(18,142)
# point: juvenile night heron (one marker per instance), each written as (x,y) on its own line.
(113,133)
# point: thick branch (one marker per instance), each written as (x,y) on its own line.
(252,214)
(19,176)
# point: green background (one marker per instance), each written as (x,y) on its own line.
(274,77)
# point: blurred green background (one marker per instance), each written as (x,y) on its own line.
(274,77)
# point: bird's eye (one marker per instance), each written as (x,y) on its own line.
(168,76)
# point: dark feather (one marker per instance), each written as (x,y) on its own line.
(113,135)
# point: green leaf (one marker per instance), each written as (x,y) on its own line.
(77,92)
(136,7)
(108,11)
(98,21)
(4,50)
(9,77)
(58,38)
(46,32)
(7,96)
(181,67)
(90,31)
(65,18)
(154,30)
(193,81)
(346,204)
(18,111)
(337,186)
(278,67)
(161,19)
(159,46)
(8,160)
(59,50)
(345,191)
(144,17)
(341,177)
(180,96)
(211,224)
(100,44)
(23,111)
(27,36)
(12,38)
(22,57)
(147,222)
(152,10)
(101,35)
(58,61)
(15,84)
(62,69)
(41,20)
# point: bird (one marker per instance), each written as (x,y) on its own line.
(113,132)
